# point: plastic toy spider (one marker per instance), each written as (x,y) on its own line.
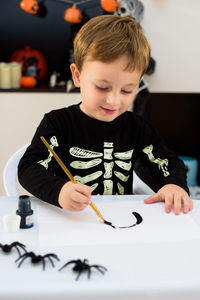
(37,258)
(8,247)
(82,265)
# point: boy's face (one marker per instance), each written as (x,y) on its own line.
(107,89)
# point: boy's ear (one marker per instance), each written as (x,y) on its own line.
(75,74)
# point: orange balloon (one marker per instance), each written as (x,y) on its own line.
(73,15)
(109,5)
(28,81)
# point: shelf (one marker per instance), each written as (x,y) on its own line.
(42,88)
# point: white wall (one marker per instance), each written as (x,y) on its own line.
(173,30)
(20,114)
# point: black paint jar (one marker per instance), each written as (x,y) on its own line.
(25,212)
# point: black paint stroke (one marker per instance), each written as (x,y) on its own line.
(109,224)
(138,217)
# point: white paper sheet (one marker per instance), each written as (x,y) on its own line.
(61,228)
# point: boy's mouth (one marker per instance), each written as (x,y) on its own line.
(108,111)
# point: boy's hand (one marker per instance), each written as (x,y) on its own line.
(173,196)
(74,196)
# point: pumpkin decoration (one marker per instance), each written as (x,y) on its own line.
(33,62)
(30,6)
(73,15)
(109,5)
(28,81)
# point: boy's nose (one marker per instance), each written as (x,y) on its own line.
(113,99)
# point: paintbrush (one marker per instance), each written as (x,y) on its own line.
(67,172)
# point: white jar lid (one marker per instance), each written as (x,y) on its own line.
(11,223)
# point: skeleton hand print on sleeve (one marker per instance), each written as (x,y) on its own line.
(162,163)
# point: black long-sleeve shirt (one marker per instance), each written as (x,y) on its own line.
(97,153)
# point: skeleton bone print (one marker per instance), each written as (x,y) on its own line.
(109,160)
(121,162)
(162,163)
(45,162)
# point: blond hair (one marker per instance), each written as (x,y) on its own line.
(105,38)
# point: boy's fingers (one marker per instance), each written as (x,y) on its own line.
(80,198)
(177,205)
(168,203)
(173,199)
(187,204)
(186,208)
(191,204)
(82,194)
(75,206)
(154,198)
(84,189)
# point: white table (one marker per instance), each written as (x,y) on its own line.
(143,270)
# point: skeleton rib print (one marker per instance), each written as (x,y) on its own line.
(123,160)
(96,159)
(107,159)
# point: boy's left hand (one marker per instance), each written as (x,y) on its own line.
(173,196)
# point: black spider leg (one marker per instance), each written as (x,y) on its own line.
(139,220)
(50,259)
(71,262)
(20,246)
(100,268)
(68,263)
(43,264)
(79,274)
(22,257)
(85,267)
(18,250)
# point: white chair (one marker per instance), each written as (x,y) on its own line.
(139,187)
(10,172)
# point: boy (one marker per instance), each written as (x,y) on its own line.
(99,140)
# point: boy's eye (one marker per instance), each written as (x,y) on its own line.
(107,88)
(101,88)
(126,92)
